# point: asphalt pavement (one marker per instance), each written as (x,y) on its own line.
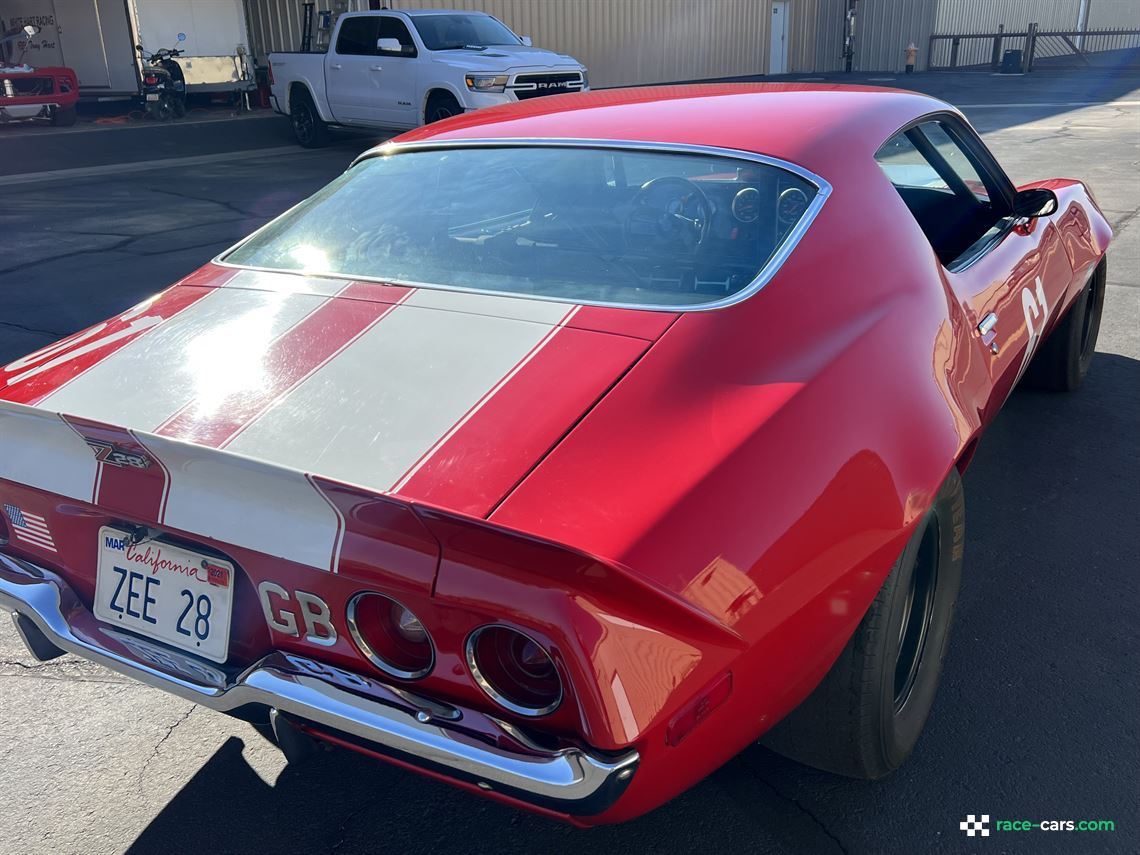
(1036,717)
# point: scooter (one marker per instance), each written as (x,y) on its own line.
(164,84)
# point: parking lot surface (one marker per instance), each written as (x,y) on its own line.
(1036,717)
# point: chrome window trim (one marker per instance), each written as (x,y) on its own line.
(762,278)
(491,691)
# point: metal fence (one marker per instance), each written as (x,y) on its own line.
(1117,48)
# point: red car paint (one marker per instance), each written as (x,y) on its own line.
(691,511)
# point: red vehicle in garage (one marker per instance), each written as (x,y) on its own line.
(36,93)
(562,450)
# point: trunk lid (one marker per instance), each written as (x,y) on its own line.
(439,397)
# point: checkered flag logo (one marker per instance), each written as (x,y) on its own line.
(974,826)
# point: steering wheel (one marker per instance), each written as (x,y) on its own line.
(669,211)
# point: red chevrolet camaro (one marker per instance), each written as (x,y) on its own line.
(561,450)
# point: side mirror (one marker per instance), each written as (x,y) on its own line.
(1035,202)
(389,45)
(30,30)
(181,37)
(527,41)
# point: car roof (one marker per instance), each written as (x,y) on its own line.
(815,125)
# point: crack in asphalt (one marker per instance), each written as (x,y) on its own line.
(169,732)
(1125,221)
(229,206)
(340,832)
(67,670)
(35,330)
(806,811)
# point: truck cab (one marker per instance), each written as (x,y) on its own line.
(400,69)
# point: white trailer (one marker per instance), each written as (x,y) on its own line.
(97,38)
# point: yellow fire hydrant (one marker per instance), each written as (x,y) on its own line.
(911,57)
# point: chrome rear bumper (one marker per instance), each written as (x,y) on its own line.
(462,744)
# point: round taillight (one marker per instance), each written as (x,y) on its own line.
(390,635)
(514,670)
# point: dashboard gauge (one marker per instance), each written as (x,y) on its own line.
(746,205)
(791,206)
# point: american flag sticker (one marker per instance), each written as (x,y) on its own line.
(30,528)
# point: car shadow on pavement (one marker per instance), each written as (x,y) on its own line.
(1039,685)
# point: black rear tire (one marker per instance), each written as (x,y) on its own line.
(308,128)
(864,719)
(1064,357)
(440,106)
(64,117)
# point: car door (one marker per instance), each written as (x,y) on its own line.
(1009,273)
(350,80)
(397,105)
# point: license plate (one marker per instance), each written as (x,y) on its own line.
(152,96)
(168,593)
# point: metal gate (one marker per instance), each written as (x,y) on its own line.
(1117,48)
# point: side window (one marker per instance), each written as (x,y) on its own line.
(393,28)
(945,188)
(358,36)
(956,159)
(903,164)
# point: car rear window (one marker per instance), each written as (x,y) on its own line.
(588,225)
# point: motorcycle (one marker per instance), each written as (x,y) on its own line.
(164,84)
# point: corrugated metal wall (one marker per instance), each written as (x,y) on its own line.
(883,29)
(1114,14)
(640,41)
(650,41)
(980,16)
(972,16)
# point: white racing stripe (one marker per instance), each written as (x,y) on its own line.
(372,412)
(41,450)
(246,502)
(209,350)
(366,416)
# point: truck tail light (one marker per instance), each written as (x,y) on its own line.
(514,670)
(390,635)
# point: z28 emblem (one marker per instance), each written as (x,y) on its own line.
(115,456)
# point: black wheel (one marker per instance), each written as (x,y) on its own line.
(440,106)
(864,719)
(64,117)
(178,106)
(161,110)
(1065,356)
(308,128)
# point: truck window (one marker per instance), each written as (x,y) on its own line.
(358,36)
(393,28)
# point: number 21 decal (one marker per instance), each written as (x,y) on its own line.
(1035,307)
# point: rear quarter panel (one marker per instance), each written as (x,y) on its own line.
(766,462)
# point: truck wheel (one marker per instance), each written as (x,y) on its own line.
(1063,360)
(864,719)
(308,128)
(64,117)
(440,106)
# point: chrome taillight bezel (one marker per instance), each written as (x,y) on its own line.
(368,650)
(496,694)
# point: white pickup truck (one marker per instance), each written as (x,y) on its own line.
(394,69)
